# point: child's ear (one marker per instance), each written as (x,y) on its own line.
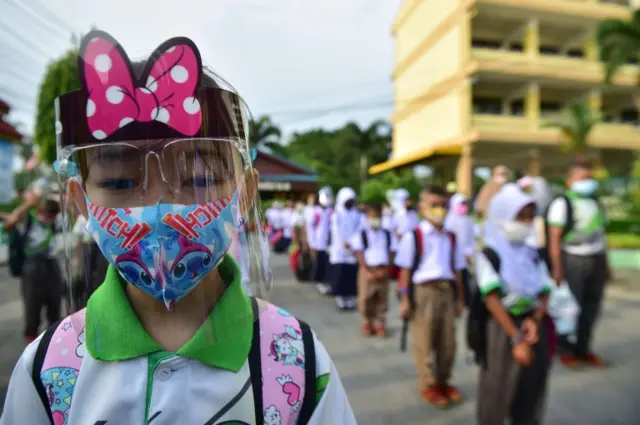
(77,196)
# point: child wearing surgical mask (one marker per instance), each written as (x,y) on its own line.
(432,296)
(515,285)
(460,223)
(374,247)
(156,158)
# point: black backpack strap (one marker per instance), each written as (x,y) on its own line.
(388,235)
(568,225)
(493,258)
(255,364)
(36,369)
(310,389)
(365,240)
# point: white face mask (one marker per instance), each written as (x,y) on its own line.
(516,232)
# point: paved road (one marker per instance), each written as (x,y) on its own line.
(380,381)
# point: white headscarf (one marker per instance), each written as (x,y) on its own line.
(518,262)
(454,219)
(344,195)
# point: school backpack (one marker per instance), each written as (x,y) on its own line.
(476,330)
(282,382)
(18,247)
(568,226)
(365,240)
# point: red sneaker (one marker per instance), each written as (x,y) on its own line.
(366,329)
(452,393)
(381,332)
(434,396)
(593,360)
(570,361)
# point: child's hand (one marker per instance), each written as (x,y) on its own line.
(371,275)
(405,309)
(522,353)
(530,331)
(459,308)
(382,273)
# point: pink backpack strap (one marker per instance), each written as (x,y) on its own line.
(56,366)
(283,367)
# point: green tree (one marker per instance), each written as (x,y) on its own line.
(575,124)
(619,43)
(60,77)
(263,133)
(635,185)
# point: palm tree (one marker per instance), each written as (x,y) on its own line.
(575,124)
(619,43)
(263,133)
(373,143)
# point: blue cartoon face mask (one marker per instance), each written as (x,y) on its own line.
(165,249)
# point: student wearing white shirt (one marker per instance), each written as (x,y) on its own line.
(374,248)
(459,222)
(515,284)
(432,296)
(406,217)
(345,222)
(387,217)
(170,336)
(321,239)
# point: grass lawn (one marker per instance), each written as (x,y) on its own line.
(623,240)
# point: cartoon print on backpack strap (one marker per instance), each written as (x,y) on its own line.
(287,347)
(61,366)
(283,366)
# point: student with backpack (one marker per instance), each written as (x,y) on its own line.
(374,248)
(577,253)
(32,229)
(514,284)
(432,297)
(170,336)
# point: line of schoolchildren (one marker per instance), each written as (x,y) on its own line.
(434,286)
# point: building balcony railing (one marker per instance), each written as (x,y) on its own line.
(551,66)
(509,128)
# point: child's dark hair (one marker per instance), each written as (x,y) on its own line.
(434,190)
(375,208)
(49,206)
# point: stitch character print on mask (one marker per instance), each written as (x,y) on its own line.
(60,370)
(287,347)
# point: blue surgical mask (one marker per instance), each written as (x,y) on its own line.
(585,187)
(165,249)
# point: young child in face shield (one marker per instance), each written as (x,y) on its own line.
(41,281)
(163,186)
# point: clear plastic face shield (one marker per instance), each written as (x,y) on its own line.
(157,178)
(325,196)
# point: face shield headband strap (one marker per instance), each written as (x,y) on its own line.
(165,102)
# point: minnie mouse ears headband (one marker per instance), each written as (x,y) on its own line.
(166,101)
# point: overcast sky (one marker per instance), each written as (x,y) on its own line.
(291,58)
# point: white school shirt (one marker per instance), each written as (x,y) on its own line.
(311,218)
(435,260)
(343,225)
(287,222)
(589,225)
(183,390)
(463,228)
(377,252)
(323,229)
(387,219)
(275,217)
(405,221)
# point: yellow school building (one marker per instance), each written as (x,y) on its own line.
(476,80)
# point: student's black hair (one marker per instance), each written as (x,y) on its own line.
(375,208)
(580,165)
(434,190)
(50,206)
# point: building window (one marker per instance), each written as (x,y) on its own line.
(575,53)
(548,50)
(517,108)
(629,116)
(485,44)
(516,47)
(487,105)
(550,107)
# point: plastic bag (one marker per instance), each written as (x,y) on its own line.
(564,309)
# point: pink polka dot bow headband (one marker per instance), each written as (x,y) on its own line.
(164,92)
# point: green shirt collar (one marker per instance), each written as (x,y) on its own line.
(114,333)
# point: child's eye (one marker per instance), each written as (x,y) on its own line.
(118,184)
